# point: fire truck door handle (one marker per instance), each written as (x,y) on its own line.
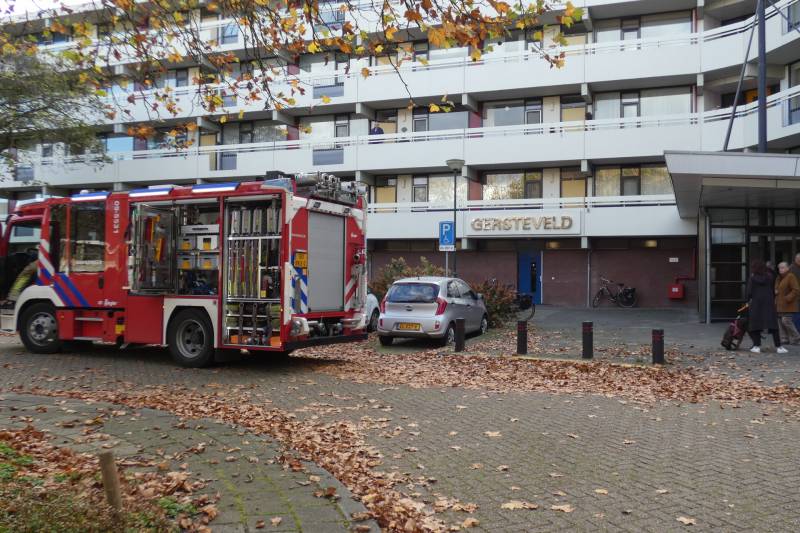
(100,282)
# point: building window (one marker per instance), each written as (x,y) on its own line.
(573,108)
(182,77)
(629,105)
(794,17)
(512,185)
(630,30)
(104,30)
(420,122)
(385,190)
(573,184)
(47,150)
(794,81)
(230,34)
(341,126)
(607,181)
(631,184)
(245,132)
(632,180)
(419,190)
(513,112)
(385,122)
(452,120)
(656,180)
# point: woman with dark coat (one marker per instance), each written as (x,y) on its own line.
(762,313)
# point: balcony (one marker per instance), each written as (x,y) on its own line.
(592,217)
(540,145)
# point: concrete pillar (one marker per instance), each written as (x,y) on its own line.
(703,262)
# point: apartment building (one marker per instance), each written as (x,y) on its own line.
(565,177)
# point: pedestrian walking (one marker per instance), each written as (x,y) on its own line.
(763,314)
(787,302)
(795,269)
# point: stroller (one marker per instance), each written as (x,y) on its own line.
(735,333)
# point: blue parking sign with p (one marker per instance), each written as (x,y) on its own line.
(447,236)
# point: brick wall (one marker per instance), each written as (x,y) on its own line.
(564,278)
(649,271)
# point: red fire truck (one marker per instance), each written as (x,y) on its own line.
(262,266)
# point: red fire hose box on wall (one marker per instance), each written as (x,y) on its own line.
(676,291)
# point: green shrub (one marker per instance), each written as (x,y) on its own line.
(399,269)
(500,301)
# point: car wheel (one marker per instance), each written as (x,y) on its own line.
(191,339)
(372,325)
(385,340)
(38,328)
(449,336)
(484,324)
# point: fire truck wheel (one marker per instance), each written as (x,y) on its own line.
(38,328)
(191,338)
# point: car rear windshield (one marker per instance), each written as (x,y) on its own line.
(413,292)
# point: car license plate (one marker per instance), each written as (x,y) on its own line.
(408,326)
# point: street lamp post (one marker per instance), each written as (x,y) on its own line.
(455,165)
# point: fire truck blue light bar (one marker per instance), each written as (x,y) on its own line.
(89,196)
(214,187)
(155,191)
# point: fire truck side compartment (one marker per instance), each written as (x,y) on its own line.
(325,262)
(142,325)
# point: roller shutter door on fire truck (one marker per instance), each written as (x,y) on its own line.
(325,262)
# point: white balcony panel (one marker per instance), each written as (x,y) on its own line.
(502,73)
(641,137)
(529,145)
(650,221)
(645,58)
(417,151)
(434,80)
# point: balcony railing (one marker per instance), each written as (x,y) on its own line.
(588,202)
(332,151)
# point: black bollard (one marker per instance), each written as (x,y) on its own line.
(522,337)
(460,333)
(658,346)
(588,340)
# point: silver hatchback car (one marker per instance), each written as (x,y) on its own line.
(427,307)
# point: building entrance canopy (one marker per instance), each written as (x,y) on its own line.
(717,179)
(748,208)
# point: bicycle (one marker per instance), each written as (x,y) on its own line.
(623,297)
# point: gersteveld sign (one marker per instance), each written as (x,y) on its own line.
(525,223)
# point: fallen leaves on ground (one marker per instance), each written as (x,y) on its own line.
(516,505)
(565,508)
(435,368)
(54,469)
(338,447)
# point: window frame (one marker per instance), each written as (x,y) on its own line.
(73,220)
(415,187)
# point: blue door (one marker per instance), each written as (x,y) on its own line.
(529,274)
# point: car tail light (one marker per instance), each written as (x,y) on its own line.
(382,305)
(442,305)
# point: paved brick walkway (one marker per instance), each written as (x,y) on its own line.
(238,465)
(728,469)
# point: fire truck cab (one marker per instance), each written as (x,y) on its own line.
(262,266)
